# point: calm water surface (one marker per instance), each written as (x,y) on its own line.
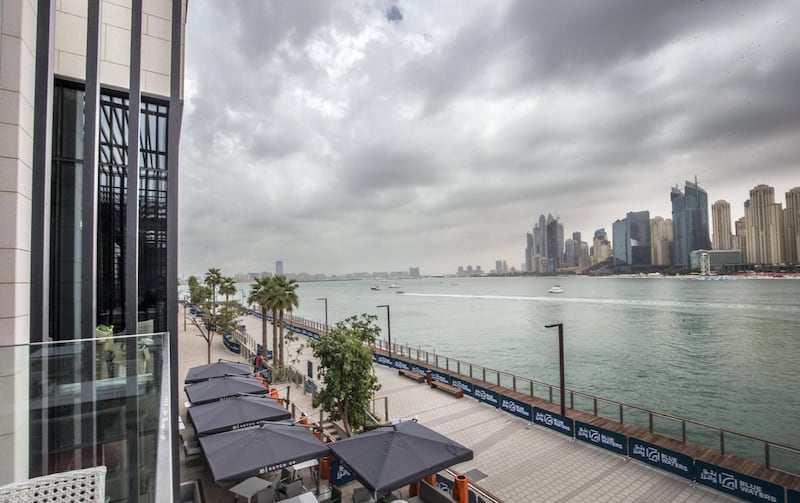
(720,352)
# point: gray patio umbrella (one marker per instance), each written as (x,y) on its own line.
(393,456)
(235,455)
(219,368)
(235,413)
(222,387)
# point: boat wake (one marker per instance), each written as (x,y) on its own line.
(656,304)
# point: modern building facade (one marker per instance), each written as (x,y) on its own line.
(279,268)
(721,224)
(791,225)
(689,222)
(84,259)
(661,241)
(632,239)
(764,227)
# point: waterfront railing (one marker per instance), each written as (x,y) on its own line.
(771,454)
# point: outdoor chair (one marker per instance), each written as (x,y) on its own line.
(292,489)
(86,485)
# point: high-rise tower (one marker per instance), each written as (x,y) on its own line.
(791,225)
(689,222)
(764,223)
(721,224)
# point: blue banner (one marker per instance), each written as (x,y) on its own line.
(486,395)
(438,376)
(792,496)
(737,484)
(383,360)
(519,409)
(339,474)
(661,457)
(601,437)
(418,370)
(465,386)
(400,364)
(555,422)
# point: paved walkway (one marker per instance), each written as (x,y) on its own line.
(522,462)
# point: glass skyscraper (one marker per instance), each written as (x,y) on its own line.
(689,223)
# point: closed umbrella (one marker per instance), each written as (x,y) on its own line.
(235,455)
(222,387)
(235,413)
(393,456)
(219,368)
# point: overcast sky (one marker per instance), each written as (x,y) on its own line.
(373,136)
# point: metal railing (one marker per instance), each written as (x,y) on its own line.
(771,454)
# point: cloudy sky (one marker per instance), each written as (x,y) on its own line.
(377,135)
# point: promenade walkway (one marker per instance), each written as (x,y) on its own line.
(514,460)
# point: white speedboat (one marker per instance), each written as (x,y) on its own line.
(394,285)
(375,287)
(556,289)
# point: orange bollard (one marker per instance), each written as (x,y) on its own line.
(324,468)
(431,479)
(413,489)
(461,489)
(303,419)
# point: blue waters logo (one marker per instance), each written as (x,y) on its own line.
(436,376)
(661,457)
(462,385)
(519,409)
(601,437)
(419,370)
(555,422)
(485,395)
(339,474)
(735,483)
(400,364)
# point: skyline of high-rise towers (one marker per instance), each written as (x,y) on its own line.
(768,234)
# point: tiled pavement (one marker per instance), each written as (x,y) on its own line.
(523,462)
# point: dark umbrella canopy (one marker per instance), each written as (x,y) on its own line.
(235,455)
(236,413)
(222,387)
(393,456)
(220,368)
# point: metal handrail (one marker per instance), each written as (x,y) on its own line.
(529,386)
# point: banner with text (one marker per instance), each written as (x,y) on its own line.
(519,409)
(464,386)
(339,474)
(601,437)
(735,483)
(661,457)
(401,364)
(383,360)
(556,422)
(438,376)
(486,395)
(418,369)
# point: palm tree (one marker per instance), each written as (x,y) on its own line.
(227,287)
(260,293)
(213,279)
(285,299)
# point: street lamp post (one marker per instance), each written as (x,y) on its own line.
(560,363)
(389,325)
(326,312)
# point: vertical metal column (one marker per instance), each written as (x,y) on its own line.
(173,141)
(40,207)
(132,252)
(89,229)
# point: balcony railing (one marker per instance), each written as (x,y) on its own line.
(92,402)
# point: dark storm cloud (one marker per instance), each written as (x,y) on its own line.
(406,143)
(393,14)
